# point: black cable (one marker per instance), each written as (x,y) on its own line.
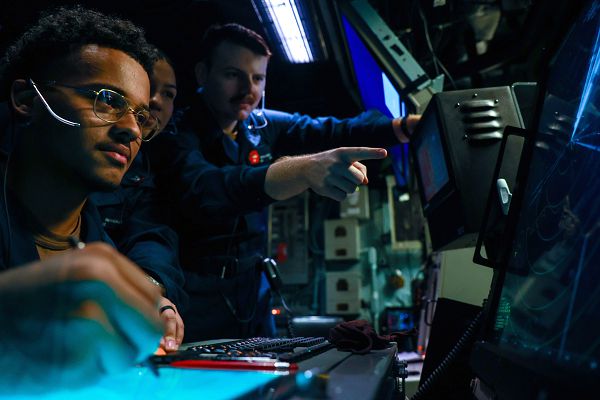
(288,314)
(230,306)
(4,192)
(233,310)
(436,61)
(13,138)
(458,348)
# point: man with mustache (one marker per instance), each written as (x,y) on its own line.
(228,163)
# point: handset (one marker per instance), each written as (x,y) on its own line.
(273,275)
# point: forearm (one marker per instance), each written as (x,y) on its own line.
(333,173)
(286,177)
(94,295)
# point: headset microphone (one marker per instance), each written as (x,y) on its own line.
(55,115)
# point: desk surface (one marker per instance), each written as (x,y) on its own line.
(333,375)
(172,384)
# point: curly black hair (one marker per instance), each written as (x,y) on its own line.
(60,32)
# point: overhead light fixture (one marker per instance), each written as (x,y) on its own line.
(286,20)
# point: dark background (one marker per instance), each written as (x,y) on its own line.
(176,26)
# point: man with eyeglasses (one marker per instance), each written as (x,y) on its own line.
(72,310)
(229,162)
(111,106)
(132,216)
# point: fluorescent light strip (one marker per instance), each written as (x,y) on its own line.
(290,29)
(283,14)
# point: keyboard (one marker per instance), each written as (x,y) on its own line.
(256,349)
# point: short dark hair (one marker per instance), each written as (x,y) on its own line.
(161,55)
(60,32)
(234,33)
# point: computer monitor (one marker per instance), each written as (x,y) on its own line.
(384,53)
(455,147)
(374,85)
(385,74)
(376,91)
(543,320)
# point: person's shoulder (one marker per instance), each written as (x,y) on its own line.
(278,114)
(185,137)
(281,119)
(176,133)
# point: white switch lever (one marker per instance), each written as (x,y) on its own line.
(504,195)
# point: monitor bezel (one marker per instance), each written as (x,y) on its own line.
(375,55)
(408,78)
(502,370)
(488,353)
(478,256)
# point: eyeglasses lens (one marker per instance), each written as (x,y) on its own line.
(111,106)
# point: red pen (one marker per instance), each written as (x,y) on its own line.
(248,365)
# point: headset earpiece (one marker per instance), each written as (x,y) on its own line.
(21,97)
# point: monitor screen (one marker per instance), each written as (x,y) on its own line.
(377,92)
(429,153)
(549,305)
(375,88)
(399,319)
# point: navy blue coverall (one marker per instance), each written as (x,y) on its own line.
(133,219)
(216,190)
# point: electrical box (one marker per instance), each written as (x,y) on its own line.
(356,205)
(406,218)
(343,292)
(342,239)
(288,238)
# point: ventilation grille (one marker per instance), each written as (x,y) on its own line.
(482,120)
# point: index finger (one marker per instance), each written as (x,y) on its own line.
(351,154)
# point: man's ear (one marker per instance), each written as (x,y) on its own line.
(21,96)
(201,71)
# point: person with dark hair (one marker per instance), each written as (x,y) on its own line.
(78,90)
(229,161)
(133,218)
(233,33)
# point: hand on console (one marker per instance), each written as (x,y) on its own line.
(72,318)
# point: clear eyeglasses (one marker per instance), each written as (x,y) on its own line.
(109,106)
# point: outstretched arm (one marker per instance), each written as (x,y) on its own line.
(333,173)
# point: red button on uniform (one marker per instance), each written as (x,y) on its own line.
(254,157)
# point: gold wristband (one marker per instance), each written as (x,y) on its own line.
(155,282)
